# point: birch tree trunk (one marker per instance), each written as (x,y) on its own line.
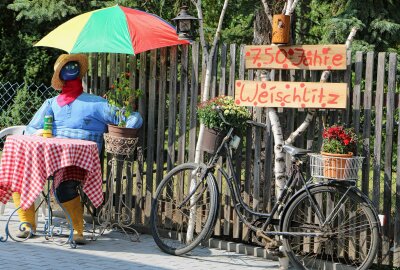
(279,162)
(206,92)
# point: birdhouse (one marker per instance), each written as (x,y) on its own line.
(280,29)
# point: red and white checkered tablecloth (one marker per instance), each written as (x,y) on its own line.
(28,160)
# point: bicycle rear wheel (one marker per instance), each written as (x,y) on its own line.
(176,209)
(349,241)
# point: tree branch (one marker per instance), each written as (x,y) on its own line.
(267,10)
(302,128)
(292,8)
(201,27)
(350,38)
(219,28)
(325,75)
(207,80)
(311,113)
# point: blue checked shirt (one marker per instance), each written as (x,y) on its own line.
(85,118)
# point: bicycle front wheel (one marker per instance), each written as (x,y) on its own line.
(184,209)
(344,236)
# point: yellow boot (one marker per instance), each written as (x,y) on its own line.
(75,211)
(25,216)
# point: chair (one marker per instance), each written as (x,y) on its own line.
(17,130)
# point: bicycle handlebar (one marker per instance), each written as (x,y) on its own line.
(221,115)
(257,124)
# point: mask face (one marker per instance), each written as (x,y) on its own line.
(70,71)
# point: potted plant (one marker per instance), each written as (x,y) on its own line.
(124,97)
(215,128)
(338,147)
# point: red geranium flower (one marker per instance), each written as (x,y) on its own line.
(338,140)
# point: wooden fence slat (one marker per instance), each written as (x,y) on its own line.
(347,79)
(221,91)
(268,164)
(376,162)
(257,163)
(214,74)
(237,225)
(143,86)
(357,91)
(150,134)
(103,78)
(232,69)
(129,187)
(161,116)
(113,71)
(118,185)
(194,92)
(122,63)
(387,191)
(184,87)
(140,146)
(172,108)
(249,166)
(369,71)
(226,195)
(133,71)
(139,186)
(396,234)
(222,79)
(94,80)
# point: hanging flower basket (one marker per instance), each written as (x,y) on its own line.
(212,139)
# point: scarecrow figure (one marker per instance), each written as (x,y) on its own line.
(77,115)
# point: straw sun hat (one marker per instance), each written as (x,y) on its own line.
(56,82)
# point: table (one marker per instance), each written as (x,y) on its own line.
(28,161)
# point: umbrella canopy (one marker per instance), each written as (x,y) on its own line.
(115,29)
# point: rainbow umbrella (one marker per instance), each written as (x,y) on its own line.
(115,29)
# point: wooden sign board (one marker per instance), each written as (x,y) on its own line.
(290,94)
(310,57)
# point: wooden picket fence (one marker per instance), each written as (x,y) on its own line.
(172,79)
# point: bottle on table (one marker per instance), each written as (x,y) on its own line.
(48,126)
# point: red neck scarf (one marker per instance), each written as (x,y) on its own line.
(70,91)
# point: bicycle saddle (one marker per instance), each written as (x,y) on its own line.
(294,151)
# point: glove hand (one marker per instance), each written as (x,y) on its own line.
(39,132)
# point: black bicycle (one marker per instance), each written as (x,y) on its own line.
(325,224)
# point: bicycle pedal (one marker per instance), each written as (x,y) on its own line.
(276,253)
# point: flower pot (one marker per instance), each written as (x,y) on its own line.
(119,145)
(123,132)
(212,139)
(280,29)
(336,165)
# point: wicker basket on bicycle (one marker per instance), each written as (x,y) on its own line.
(337,168)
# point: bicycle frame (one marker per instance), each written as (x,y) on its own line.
(287,196)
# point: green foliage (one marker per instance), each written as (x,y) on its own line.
(25,104)
(322,21)
(233,114)
(238,22)
(123,96)
(43,10)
